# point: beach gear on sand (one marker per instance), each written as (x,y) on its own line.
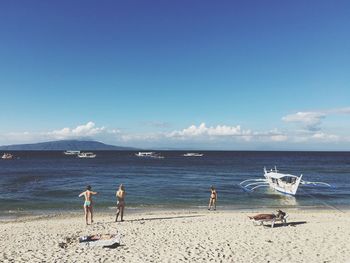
(108,241)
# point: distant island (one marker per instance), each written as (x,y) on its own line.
(74,145)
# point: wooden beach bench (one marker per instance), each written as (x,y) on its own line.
(272,221)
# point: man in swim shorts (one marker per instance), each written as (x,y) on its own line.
(88,203)
(120,194)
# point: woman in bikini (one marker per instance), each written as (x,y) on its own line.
(120,194)
(213,198)
(88,203)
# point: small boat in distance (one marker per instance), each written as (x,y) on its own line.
(149,155)
(86,155)
(7,156)
(69,152)
(193,154)
(283,183)
(144,154)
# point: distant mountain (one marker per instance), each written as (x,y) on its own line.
(74,145)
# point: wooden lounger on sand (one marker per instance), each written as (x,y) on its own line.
(271,218)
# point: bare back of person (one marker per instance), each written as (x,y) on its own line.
(120,194)
(87,195)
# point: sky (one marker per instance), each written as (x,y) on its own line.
(220,75)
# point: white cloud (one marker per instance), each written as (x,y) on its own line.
(203,133)
(212,131)
(227,132)
(325,137)
(318,137)
(310,119)
(124,137)
(279,138)
(270,136)
(86,130)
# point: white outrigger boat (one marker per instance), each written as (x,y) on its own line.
(69,152)
(283,183)
(149,155)
(7,156)
(86,155)
(193,154)
(144,154)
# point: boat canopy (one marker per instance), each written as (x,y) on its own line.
(279,176)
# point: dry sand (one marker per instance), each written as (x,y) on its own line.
(177,236)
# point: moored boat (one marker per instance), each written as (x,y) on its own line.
(7,156)
(149,155)
(283,183)
(69,152)
(193,154)
(144,154)
(86,155)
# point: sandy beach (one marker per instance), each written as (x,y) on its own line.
(178,236)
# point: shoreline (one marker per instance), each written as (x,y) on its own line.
(31,215)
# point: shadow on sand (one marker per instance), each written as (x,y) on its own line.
(116,245)
(287,224)
(161,218)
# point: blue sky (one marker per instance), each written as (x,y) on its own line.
(178,74)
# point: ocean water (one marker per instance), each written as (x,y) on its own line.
(38,181)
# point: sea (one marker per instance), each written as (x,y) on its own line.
(49,181)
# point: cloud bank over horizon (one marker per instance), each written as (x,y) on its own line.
(309,132)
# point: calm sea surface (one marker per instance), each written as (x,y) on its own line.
(36,181)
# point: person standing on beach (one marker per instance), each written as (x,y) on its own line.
(120,194)
(213,198)
(88,203)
